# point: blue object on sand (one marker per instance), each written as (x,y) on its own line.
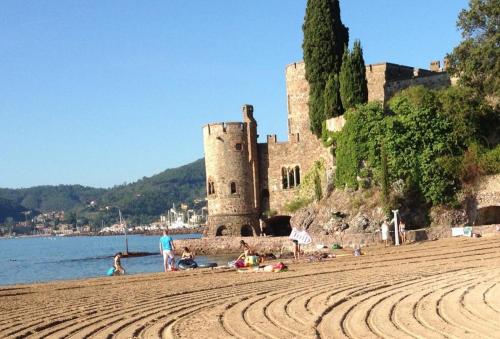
(111,271)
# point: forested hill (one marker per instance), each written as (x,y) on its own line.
(144,199)
(51,198)
(152,196)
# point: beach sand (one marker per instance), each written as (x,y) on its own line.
(434,289)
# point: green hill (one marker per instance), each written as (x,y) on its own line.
(141,201)
(9,208)
(149,197)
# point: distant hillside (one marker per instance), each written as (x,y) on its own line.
(152,196)
(9,208)
(52,198)
(141,201)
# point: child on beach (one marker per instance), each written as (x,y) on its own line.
(118,265)
(249,256)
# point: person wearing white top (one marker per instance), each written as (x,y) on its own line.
(385,231)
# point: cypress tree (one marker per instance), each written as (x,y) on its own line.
(359,70)
(324,39)
(331,97)
(353,84)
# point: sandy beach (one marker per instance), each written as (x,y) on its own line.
(435,289)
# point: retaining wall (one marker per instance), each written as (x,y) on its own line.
(224,245)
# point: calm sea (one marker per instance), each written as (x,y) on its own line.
(27,260)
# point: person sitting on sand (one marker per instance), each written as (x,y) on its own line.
(117,264)
(187,254)
(249,256)
(167,249)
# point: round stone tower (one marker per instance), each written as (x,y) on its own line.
(232,176)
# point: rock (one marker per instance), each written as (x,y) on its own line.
(359,224)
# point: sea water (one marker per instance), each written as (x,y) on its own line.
(41,259)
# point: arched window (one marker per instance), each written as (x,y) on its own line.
(233,187)
(238,147)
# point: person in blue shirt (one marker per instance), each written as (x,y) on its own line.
(167,249)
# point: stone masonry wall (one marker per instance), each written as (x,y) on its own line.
(302,148)
(434,81)
(275,245)
(227,163)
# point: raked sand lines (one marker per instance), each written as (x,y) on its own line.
(442,289)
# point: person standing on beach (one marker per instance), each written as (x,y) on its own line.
(402,231)
(385,231)
(167,249)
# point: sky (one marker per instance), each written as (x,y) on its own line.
(103,92)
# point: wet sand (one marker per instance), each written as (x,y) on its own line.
(435,289)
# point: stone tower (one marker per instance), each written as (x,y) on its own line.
(231,163)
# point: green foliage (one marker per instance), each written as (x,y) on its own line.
(431,144)
(419,136)
(476,59)
(297,204)
(352,77)
(359,141)
(331,97)
(384,180)
(324,39)
(316,108)
(310,187)
(490,161)
(318,192)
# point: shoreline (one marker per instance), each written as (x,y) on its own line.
(197,230)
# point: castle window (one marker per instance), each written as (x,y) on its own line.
(233,188)
(297,175)
(284,177)
(238,147)
(211,188)
(290,177)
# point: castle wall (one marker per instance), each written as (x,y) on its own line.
(302,147)
(433,81)
(227,154)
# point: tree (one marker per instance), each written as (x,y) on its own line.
(359,70)
(475,61)
(353,84)
(324,39)
(331,97)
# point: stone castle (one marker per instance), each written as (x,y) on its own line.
(246,178)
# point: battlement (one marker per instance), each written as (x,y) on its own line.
(272,139)
(224,127)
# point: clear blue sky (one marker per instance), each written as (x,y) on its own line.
(104,92)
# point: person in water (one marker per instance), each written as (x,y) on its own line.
(187,254)
(117,264)
(167,249)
